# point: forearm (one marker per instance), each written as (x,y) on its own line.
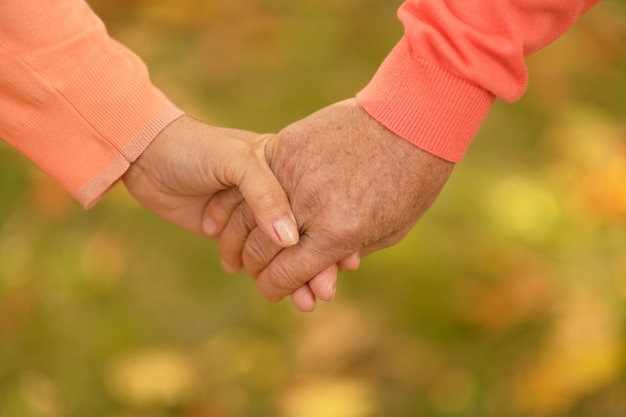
(437,85)
(78,104)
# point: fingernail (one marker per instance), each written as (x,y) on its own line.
(333,292)
(329,293)
(310,306)
(287,231)
(209,227)
(228,267)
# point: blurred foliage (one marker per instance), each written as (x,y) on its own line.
(509,298)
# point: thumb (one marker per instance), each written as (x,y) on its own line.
(297,265)
(267,199)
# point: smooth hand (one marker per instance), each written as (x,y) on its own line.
(190,161)
(354,186)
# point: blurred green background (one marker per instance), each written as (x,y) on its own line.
(508,299)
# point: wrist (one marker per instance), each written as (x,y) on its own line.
(144,161)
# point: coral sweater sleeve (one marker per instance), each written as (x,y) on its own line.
(437,85)
(78,104)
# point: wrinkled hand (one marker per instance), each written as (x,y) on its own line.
(190,161)
(354,186)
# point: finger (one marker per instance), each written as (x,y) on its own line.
(324,284)
(219,210)
(296,265)
(304,299)
(233,237)
(350,262)
(270,205)
(258,252)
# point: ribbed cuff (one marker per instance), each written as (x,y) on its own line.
(89,194)
(424,104)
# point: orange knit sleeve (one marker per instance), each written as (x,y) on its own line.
(439,82)
(78,104)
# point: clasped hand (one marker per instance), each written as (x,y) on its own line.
(293,208)
(354,187)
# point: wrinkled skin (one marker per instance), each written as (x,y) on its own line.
(354,187)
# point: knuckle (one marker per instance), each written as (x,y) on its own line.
(244,221)
(283,281)
(340,233)
(257,253)
(348,220)
(254,254)
(233,238)
(351,225)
